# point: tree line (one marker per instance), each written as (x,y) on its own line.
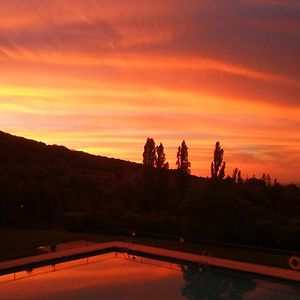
(155,157)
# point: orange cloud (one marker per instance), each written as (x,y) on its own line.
(101,77)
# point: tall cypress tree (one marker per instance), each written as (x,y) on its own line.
(217,165)
(149,155)
(150,161)
(184,169)
(161,157)
(183,164)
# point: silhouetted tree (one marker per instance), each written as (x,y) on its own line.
(217,165)
(236,176)
(183,164)
(149,155)
(161,181)
(239,177)
(149,201)
(161,158)
(266,178)
(183,167)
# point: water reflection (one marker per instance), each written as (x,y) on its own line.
(203,283)
(109,277)
(116,276)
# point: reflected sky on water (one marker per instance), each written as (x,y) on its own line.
(119,276)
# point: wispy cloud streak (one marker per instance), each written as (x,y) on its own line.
(101,76)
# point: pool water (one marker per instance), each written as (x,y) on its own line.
(121,276)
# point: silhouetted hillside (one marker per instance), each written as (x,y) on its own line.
(15,149)
(39,183)
(52,186)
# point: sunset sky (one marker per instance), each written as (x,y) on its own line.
(102,75)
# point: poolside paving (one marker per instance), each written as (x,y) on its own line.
(91,248)
(68,245)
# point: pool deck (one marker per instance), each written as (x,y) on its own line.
(95,248)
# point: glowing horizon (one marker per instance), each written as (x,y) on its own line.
(102,76)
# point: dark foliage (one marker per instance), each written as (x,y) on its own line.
(161,157)
(217,165)
(51,187)
(149,155)
(183,163)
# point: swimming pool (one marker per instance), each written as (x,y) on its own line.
(116,275)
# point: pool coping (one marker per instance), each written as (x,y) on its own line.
(20,264)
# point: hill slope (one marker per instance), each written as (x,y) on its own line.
(38,182)
(52,186)
(13,148)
